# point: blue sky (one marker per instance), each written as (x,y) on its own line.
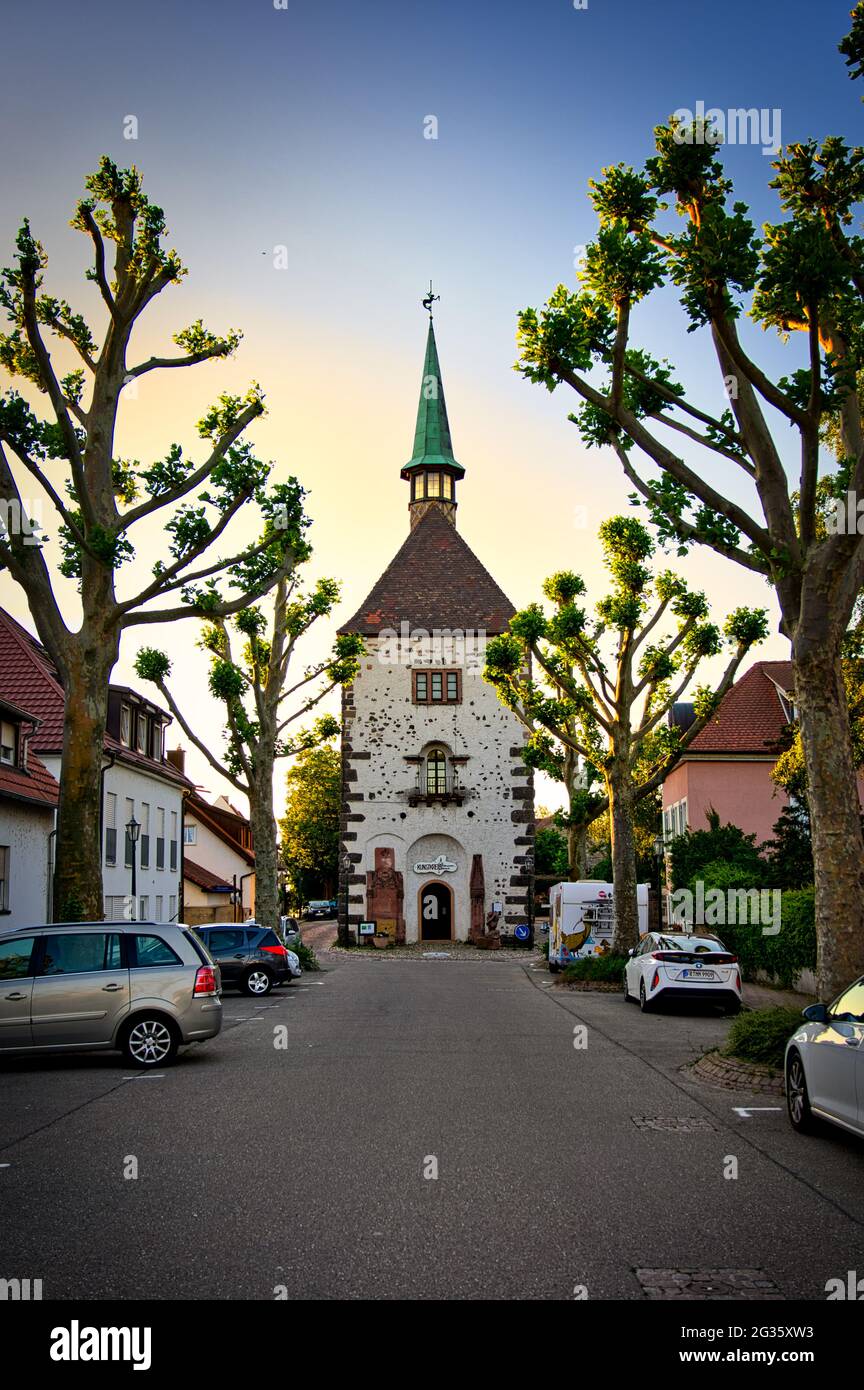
(304,127)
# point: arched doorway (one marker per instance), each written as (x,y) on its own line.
(435,912)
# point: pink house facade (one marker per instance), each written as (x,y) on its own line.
(728,766)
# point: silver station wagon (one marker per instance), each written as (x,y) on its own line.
(142,988)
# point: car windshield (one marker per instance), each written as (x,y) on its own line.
(696,945)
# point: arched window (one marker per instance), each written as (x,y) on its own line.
(436,772)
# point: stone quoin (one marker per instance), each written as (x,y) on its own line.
(437,805)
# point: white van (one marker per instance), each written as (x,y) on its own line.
(582,919)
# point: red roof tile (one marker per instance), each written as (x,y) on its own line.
(203,877)
(434,581)
(28,679)
(750,718)
(36,784)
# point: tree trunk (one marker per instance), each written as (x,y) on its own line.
(832,790)
(619,785)
(78,885)
(577,852)
(265,844)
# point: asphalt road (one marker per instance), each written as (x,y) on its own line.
(306,1166)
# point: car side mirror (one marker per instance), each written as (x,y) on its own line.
(631,952)
(816,1013)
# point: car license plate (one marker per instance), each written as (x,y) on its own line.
(697,974)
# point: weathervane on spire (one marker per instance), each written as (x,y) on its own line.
(430,300)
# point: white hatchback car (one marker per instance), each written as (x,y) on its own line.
(680,966)
(825,1064)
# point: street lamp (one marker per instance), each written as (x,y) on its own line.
(133,830)
(659,851)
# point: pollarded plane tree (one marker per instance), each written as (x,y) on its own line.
(263,704)
(66,453)
(805,276)
(606,685)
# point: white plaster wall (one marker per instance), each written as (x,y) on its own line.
(213,854)
(25,829)
(386,724)
(140,786)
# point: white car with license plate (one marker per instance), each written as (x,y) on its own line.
(825,1064)
(681,966)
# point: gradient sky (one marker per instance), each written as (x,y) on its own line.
(304,127)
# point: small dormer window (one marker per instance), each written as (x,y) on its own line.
(419,487)
(8,744)
(124,725)
(141,734)
(447,486)
(433,484)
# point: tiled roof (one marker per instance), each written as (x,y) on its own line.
(435,581)
(28,679)
(36,784)
(750,718)
(212,883)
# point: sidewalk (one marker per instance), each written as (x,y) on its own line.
(765,997)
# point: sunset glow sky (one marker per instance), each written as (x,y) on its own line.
(304,127)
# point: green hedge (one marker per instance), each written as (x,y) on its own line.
(785,955)
(762,1034)
(605,968)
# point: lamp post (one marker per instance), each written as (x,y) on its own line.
(133,830)
(659,850)
(346,865)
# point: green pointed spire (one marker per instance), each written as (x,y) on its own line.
(432,444)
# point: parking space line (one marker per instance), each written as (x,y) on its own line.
(746,1111)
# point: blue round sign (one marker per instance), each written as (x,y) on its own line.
(522,933)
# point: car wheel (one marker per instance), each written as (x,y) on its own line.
(257,983)
(643,999)
(150,1041)
(797,1099)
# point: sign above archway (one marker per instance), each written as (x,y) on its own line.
(440,865)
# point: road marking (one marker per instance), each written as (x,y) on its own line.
(146,1076)
(5,1165)
(746,1111)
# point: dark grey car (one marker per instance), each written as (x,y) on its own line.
(250,957)
(143,988)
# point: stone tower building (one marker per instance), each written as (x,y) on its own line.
(438,807)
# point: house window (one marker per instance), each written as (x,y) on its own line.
(173,846)
(125,718)
(143,908)
(160,837)
(436,772)
(419,487)
(130,848)
(447,485)
(144,840)
(437,687)
(172,907)
(190,834)
(4,878)
(433,484)
(141,733)
(111,828)
(159,901)
(8,744)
